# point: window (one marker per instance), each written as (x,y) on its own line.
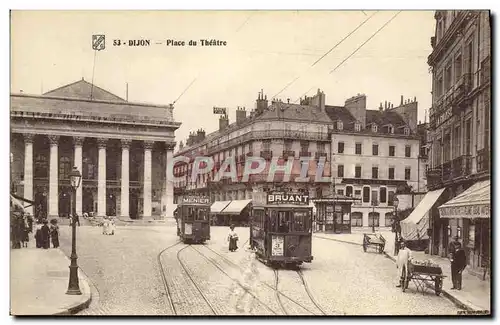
(340,147)
(340,192)
(383,195)
(357,127)
(392,151)
(267,145)
(358,148)
(407,131)
(201,215)
(408,151)
(375,198)
(407,173)
(366,194)
(389,219)
(304,146)
(374,128)
(320,147)
(375,149)
(374,172)
(340,125)
(348,190)
(64,167)
(439,87)
(288,145)
(41,166)
(390,200)
(299,220)
(447,77)
(458,68)
(391,172)
(373,219)
(340,171)
(357,172)
(356,219)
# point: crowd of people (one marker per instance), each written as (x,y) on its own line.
(23,224)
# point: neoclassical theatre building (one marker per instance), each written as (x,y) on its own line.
(121,149)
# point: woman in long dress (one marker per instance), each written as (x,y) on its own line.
(45,235)
(232,237)
(112,227)
(54,233)
(105,226)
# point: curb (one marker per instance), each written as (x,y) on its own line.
(86,292)
(445,293)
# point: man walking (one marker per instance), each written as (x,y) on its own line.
(458,264)
(402,262)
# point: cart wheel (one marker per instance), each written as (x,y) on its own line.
(438,286)
(364,247)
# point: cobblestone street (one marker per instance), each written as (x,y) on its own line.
(203,280)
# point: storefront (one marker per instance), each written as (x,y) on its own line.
(215,209)
(334,215)
(469,218)
(237,212)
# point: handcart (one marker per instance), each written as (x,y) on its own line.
(425,275)
(375,240)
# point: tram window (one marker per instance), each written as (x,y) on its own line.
(284,221)
(298,221)
(189,214)
(201,215)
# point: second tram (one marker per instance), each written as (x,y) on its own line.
(193,215)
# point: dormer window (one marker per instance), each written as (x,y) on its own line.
(374,128)
(340,125)
(390,129)
(407,131)
(357,127)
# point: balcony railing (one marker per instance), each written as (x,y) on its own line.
(304,154)
(486,70)
(318,155)
(270,134)
(288,153)
(266,154)
(461,166)
(450,171)
(483,161)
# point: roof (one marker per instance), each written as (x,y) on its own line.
(83,90)
(280,110)
(340,113)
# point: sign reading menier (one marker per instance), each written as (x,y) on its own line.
(279,197)
(195,199)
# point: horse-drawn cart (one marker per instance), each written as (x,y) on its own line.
(424,275)
(375,240)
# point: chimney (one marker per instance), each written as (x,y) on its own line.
(381,108)
(385,105)
(401,100)
(261,103)
(241,115)
(200,135)
(223,122)
(319,100)
(357,107)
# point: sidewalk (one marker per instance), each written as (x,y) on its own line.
(39,280)
(475,293)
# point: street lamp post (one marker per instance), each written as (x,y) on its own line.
(397,226)
(74,286)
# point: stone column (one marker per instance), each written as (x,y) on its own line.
(78,163)
(148,146)
(101,178)
(54,177)
(125,193)
(169,184)
(28,169)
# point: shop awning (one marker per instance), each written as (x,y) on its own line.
(17,201)
(415,226)
(472,203)
(218,206)
(236,206)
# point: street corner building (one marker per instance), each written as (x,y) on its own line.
(367,154)
(460,136)
(121,148)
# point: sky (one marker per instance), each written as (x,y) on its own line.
(265,50)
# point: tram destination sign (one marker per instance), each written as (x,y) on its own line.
(195,199)
(287,198)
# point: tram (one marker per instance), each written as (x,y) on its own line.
(281,230)
(193,215)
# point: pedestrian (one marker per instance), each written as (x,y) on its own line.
(453,245)
(30,219)
(105,226)
(244,302)
(45,235)
(38,235)
(402,263)
(458,264)
(54,233)
(25,231)
(232,237)
(111,230)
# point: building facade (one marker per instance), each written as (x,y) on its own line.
(459,130)
(362,150)
(120,148)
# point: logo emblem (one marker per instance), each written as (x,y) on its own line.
(98,42)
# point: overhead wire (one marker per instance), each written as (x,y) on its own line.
(356,50)
(328,52)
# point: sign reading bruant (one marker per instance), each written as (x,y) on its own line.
(289,198)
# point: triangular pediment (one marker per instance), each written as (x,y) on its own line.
(83,90)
